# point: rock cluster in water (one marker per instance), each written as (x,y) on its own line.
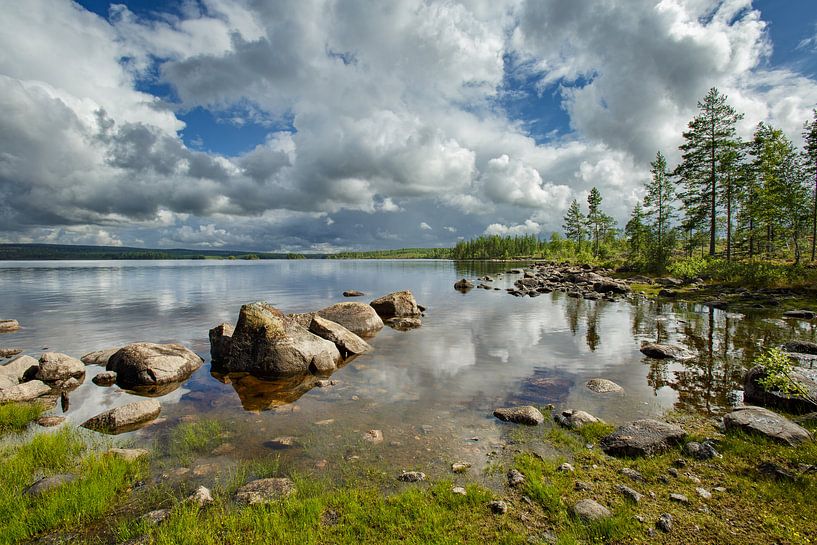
(585,281)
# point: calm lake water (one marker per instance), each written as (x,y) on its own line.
(430,390)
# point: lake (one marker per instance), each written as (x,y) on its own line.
(431,390)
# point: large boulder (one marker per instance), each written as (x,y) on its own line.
(359,318)
(760,421)
(397,304)
(267,343)
(125,418)
(20,369)
(221,340)
(56,367)
(348,343)
(148,364)
(796,403)
(642,438)
(27,391)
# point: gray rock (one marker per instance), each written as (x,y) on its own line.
(55,366)
(156,516)
(632,474)
(754,393)
(498,507)
(266,343)
(680,498)
(460,491)
(105,378)
(642,438)
(664,351)
(221,340)
(520,415)
(704,493)
(583,486)
(148,364)
(760,421)
(125,418)
(460,467)
(399,303)
(9,352)
(50,421)
(608,285)
(603,386)
(575,419)
(353,293)
(19,369)
(49,483)
(201,497)
(463,285)
(515,478)
(129,454)
(630,493)
(373,436)
(664,523)
(403,323)
(359,318)
(265,491)
(801,347)
(800,314)
(700,451)
(348,343)
(9,325)
(590,510)
(99,357)
(27,391)
(411,476)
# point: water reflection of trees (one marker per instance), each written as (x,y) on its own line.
(576,309)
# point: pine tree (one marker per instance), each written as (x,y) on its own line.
(659,198)
(574,224)
(711,133)
(810,160)
(596,219)
(636,232)
(731,177)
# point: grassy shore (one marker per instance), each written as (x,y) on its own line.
(100,506)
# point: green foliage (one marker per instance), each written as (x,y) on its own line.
(777,366)
(193,438)
(401,253)
(574,223)
(16,417)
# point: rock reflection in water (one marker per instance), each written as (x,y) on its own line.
(258,394)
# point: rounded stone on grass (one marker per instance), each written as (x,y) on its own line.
(590,510)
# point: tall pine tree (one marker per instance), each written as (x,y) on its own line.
(711,134)
(574,224)
(810,160)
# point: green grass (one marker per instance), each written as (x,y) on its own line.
(191,439)
(101,480)
(15,417)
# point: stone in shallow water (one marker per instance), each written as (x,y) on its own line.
(28,391)
(55,366)
(150,364)
(397,304)
(9,352)
(99,357)
(353,293)
(347,342)
(664,351)
(50,421)
(760,421)
(359,318)
(603,386)
(797,403)
(105,378)
(642,438)
(265,491)
(527,414)
(574,419)
(9,325)
(125,418)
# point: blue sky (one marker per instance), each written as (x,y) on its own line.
(325,125)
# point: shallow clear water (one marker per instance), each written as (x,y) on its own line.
(431,390)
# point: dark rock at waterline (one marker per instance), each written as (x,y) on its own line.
(669,294)
(9,352)
(528,415)
(796,403)
(801,347)
(801,314)
(267,343)
(642,438)
(607,285)
(348,343)
(403,323)
(463,285)
(760,421)
(105,378)
(47,484)
(574,419)
(125,418)
(54,367)
(99,357)
(9,325)
(221,340)
(397,304)
(669,281)
(359,318)
(149,364)
(353,293)
(664,351)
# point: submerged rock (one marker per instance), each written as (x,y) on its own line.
(9,325)
(348,343)
(403,323)
(9,352)
(574,419)
(797,403)
(353,293)
(268,344)
(221,339)
(760,421)
(642,438)
(149,364)
(359,318)
(105,378)
(463,285)
(603,386)
(397,304)
(125,418)
(265,491)
(664,351)
(527,415)
(59,367)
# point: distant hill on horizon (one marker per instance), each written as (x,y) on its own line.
(21,252)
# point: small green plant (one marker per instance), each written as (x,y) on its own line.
(17,416)
(778,367)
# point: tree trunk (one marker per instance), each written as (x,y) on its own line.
(728,218)
(713,188)
(814,217)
